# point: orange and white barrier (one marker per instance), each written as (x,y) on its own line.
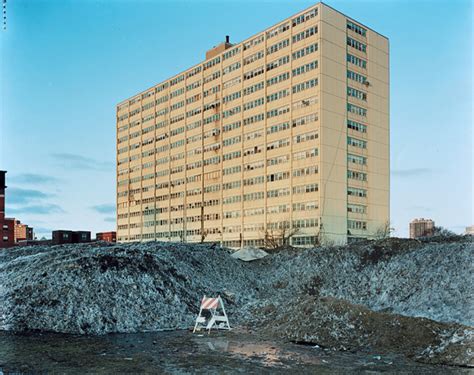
(217,316)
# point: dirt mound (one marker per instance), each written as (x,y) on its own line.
(130,288)
(392,295)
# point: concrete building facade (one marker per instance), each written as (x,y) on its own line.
(285,132)
(421,228)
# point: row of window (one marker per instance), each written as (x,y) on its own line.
(282,44)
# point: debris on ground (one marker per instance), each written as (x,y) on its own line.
(387,296)
(247,254)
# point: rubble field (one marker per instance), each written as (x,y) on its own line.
(389,296)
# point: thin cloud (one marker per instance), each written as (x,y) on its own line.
(411,172)
(33,178)
(421,208)
(110,219)
(37,209)
(79,162)
(104,208)
(24,196)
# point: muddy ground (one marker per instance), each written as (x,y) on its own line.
(181,352)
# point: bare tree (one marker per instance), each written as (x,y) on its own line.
(383,231)
(443,232)
(279,234)
(204,234)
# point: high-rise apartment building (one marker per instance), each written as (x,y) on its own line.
(287,131)
(421,228)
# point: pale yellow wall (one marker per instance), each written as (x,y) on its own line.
(328,101)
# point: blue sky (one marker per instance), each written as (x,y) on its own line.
(66,64)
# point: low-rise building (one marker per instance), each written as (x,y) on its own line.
(106,236)
(421,228)
(13,231)
(68,236)
(469,230)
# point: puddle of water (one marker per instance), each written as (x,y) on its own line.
(181,352)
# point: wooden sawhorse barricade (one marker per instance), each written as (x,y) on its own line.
(218,318)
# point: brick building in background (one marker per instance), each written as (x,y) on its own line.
(106,236)
(13,231)
(69,236)
(287,130)
(421,228)
(7,225)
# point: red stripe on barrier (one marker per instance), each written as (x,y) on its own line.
(209,303)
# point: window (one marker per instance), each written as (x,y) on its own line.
(278,95)
(278,30)
(254,42)
(278,127)
(231,68)
(254,119)
(305,68)
(356,110)
(356,94)
(279,62)
(356,159)
(356,77)
(278,111)
(305,223)
(305,171)
(356,44)
(302,189)
(356,28)
(355,224)
(232,82)
(305,206)
(356,142)
(211,63)
(256,56)
(230,97)
(305,51)
(304,17)
(302,155)
(254,88)
(278,176)
(177,80)
(177,92)
(300,138)
(357,126)
(305,120)
(356,208)
(357,175)
(231,112)
(305,85)
(304,240)
(306,102)
(305,34)
(231,170)
(278,193)
(231,126)
(278,46)
(253,73)
(277,79)
(255,103)
(361,63)
(230,53)
(355,192)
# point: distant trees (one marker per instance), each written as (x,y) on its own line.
(443,232)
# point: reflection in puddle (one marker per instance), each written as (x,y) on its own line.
(184,352)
